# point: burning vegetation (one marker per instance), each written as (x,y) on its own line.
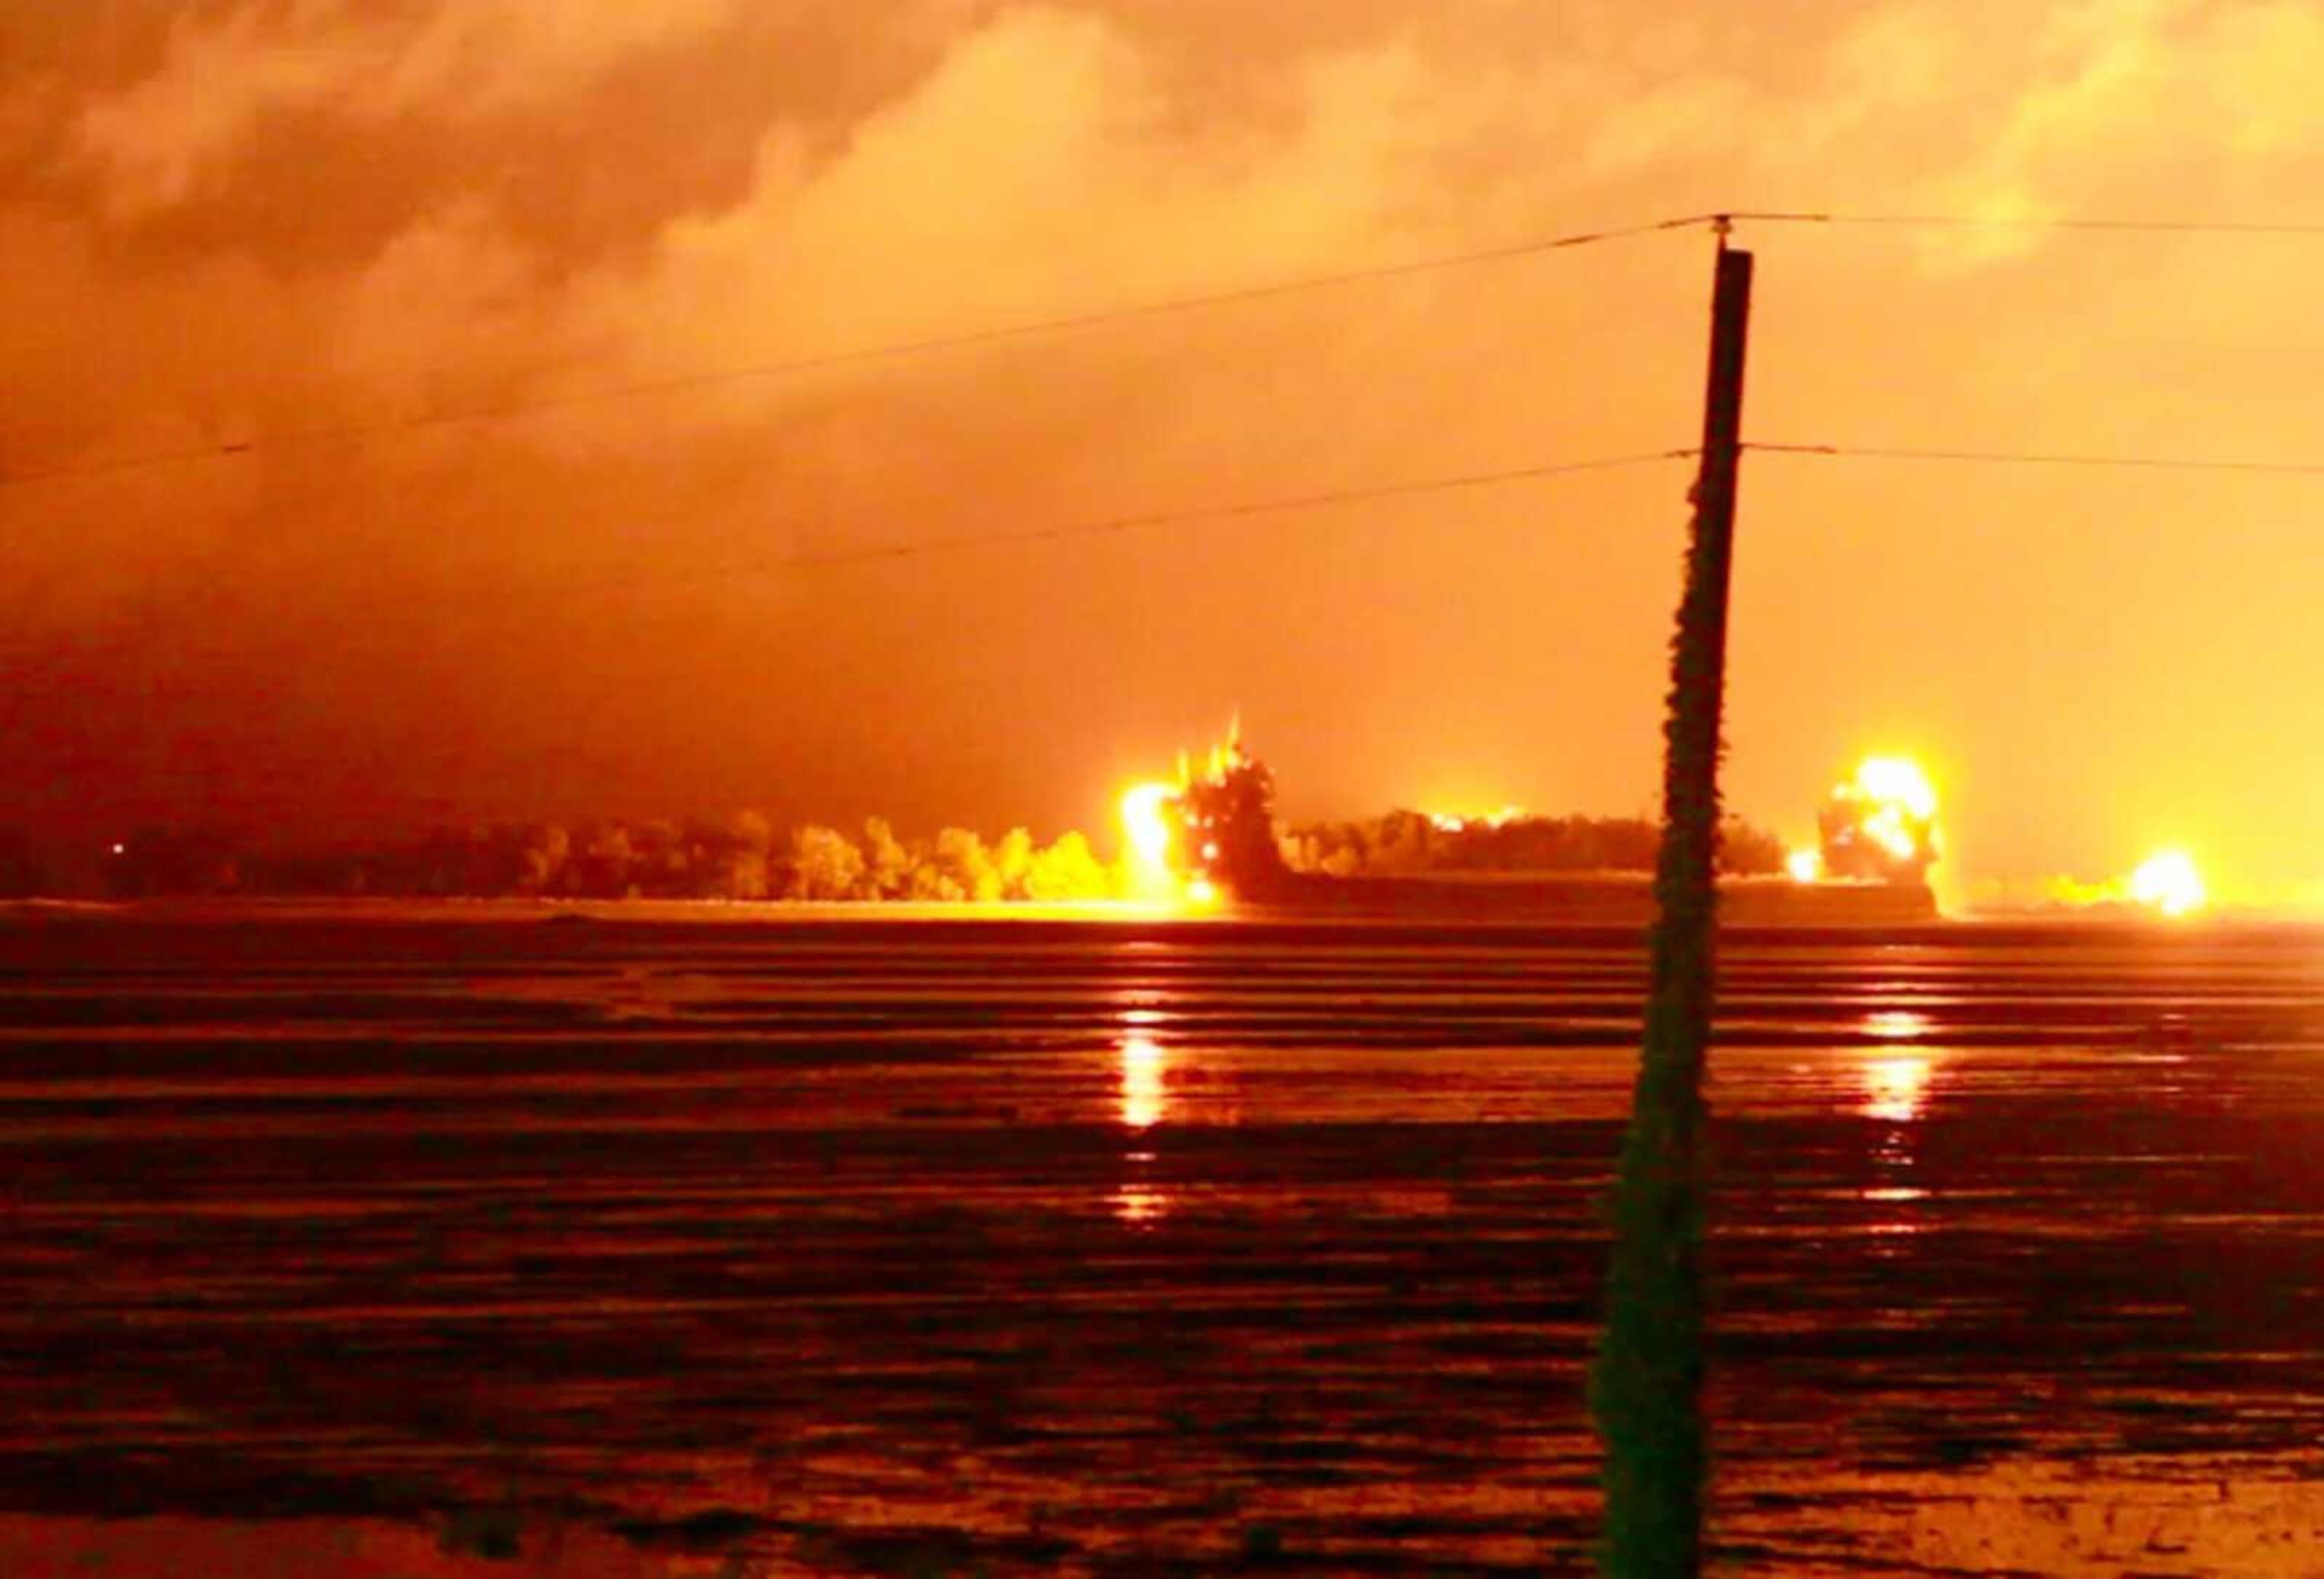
(2167,884)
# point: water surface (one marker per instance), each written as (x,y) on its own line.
(375,1246)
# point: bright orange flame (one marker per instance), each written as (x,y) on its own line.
(1881,820)
(1804,865)
(1146,822)
(1174,845)
(1897,794)
(2170,883)
(1896,780)
(1455,822)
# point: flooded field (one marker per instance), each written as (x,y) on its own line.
(439,1247)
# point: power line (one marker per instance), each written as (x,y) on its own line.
(895,351)
(514,410)
(2028,222)
(2025,458)
(1214,513)
(671,573)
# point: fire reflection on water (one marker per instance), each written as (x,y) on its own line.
(1144,1101)
(1893,1090)
(1139,1204)
(1896,1089)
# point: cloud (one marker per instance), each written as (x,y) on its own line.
(162,138)
(1041,169)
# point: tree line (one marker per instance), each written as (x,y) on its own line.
(744,858)
(741,858)
(1410,843)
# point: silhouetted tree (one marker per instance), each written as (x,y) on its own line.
(743,868)
(1067,871)
(1226,823)
(889,864)
(824,865)
(1745,851)
(546,850)
(967,870)
(1012,859)
(607,857)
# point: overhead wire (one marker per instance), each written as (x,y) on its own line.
(2041,459)
(509,410)
(664,576)
(1077,322)
(2134,226)
(1106,526)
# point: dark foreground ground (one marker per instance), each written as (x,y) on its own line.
(413,1247)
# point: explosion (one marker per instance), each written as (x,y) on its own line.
(1879,825)
(2169,883)
(1208,834)
(2166,884)
(1147,820)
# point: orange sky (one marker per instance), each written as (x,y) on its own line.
(229,222)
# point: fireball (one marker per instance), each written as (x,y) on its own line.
(1804,865)
(1897,781)
(1881,823)
(1206,838)
(2168,882)
(1898,800)
(1146,821)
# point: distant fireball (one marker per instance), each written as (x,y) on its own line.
(2168,882)
(1881,824)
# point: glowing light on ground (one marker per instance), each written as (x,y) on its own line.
(1456,822)
(2170,883)
(1804,865)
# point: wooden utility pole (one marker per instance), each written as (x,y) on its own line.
(1646,1388)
